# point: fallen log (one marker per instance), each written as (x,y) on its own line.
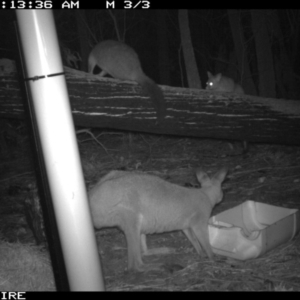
(109,103)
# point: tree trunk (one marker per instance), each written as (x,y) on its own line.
(193,77)
(163,49)
(264,54)
(285,79)
(246,80)
(109,103)
(83,37)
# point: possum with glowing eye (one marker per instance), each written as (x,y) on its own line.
(222,83)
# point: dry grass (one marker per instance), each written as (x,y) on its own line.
(268,173)
(25,267)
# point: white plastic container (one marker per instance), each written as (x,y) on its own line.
(251,229)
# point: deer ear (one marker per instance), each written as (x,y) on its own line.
(221,175)
(202,176)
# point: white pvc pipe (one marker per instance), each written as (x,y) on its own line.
(59,145)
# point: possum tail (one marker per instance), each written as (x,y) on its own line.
(156,96)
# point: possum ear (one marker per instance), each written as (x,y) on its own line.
(209,75)
(218,76)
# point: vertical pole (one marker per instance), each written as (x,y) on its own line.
(47,85)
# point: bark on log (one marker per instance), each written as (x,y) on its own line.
(109,103)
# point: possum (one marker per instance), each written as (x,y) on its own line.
(222,83)
(122,62)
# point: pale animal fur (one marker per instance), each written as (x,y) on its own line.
(141,204)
